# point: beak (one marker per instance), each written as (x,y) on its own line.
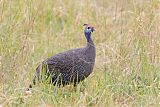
(92,28)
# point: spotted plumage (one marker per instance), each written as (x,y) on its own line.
(71,66)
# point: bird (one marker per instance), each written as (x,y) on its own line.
(71,66)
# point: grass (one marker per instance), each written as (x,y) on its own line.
(127,69)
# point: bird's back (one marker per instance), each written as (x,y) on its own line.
(69,66)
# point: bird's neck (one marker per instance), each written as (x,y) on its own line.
(90,51)
(90,48)
(90,43)
(89,39)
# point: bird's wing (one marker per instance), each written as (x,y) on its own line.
(63,64)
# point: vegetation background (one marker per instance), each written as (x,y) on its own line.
(127,39)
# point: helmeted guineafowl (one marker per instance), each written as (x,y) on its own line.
(71,66)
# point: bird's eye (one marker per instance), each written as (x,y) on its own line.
(89,27)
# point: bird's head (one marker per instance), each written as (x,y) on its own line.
(88,30)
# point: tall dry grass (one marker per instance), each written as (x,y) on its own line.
(127,69)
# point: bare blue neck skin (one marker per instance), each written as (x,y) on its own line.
(88,36)
(89,39)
